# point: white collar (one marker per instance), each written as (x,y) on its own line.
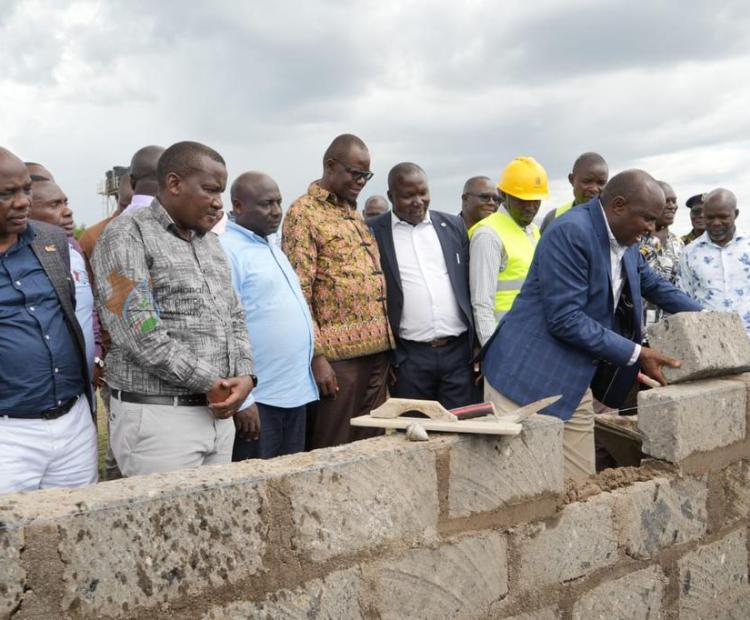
(396,220)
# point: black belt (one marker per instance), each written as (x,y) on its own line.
(183,400)
(49,414)
(438,342)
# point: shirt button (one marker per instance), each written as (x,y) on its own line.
(59,402)
(46,336)
(18,282)
(57,370)
(31,308)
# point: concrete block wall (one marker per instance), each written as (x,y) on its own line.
(457,527)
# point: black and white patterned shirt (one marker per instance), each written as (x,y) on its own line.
(169,305)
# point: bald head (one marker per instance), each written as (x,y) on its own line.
(720,197)
(720,214)
(143,177)
(342,145)
(346,168)
(587,159)
(15,198)
(403,170)
(588,177)
(409,192)
(374,206)
(479,199)
(256,201)
(632,201)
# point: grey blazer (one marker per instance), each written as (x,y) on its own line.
(50,246)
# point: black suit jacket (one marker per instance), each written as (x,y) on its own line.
(451,233)
(50,246)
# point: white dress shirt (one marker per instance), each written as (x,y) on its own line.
(616,252)
(430,308)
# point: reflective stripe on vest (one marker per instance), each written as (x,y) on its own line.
(563,209)
(519,250)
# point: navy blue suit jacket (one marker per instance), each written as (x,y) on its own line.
(562,323)
(455,244)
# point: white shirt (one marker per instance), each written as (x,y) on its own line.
(84,303)
(616,252)
(430,308)
(138,201)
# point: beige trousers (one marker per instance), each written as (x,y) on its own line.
(147,439)
(578,432)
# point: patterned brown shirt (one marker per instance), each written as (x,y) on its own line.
(169,305)
(337,261)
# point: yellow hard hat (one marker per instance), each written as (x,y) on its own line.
(524,178)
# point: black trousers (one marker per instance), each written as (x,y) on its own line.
(444,374)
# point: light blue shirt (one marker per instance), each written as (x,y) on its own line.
(278,319)
(718,277)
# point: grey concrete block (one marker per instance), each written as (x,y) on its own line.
(148,540)
(650,516)
(547,613)
(737,491)
(711,574)
(580,540)
(332,598)
(487,473)
(12,574)
(678,420)
(459,579)
(363,495)
(708,344)
(637,595)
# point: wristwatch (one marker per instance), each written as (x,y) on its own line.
(255,381)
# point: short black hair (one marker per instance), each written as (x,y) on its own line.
(588,158)
(182,158)
(341,145)
(471,180)
(401,170)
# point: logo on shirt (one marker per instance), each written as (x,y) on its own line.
(129,296)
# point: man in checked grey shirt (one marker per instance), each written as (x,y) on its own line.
(180,365)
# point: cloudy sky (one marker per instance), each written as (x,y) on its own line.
(458,87)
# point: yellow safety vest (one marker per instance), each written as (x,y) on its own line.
(564,209)
(520,251)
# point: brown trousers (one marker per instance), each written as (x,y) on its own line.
(362,387)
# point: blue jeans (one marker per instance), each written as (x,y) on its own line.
(282,431)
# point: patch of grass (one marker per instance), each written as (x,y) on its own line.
(101,432)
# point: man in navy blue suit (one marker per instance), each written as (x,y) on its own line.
(578,315)
(424,255)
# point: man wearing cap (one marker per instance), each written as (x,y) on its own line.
(695,204)
(502,245)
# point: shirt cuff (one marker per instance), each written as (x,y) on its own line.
(636,354)
(250,400)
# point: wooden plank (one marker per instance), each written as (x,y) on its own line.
(493,426)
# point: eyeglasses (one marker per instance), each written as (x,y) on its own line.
(496,198)
(357,175)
